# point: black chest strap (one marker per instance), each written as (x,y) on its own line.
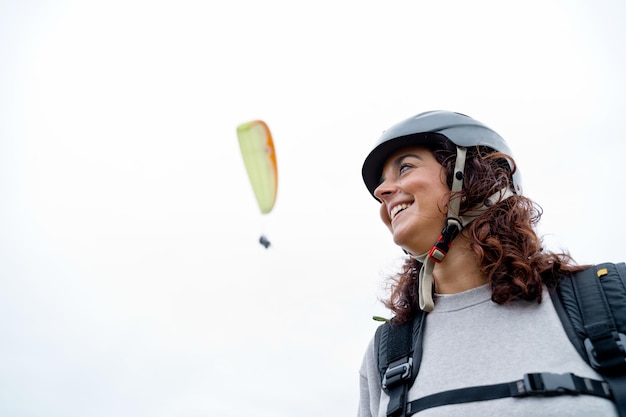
(536,384)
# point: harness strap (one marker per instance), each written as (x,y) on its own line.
(618,386)
(605,345)
(534,384)
(400,350)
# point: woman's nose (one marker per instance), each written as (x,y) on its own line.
(385,188)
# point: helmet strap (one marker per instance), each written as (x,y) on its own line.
(451,230)
(454,225)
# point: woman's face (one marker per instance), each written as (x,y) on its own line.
(414,197)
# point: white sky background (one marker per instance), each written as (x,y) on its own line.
(131,279)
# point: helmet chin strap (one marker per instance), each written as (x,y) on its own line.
(454,225)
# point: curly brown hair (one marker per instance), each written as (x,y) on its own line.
(504,237)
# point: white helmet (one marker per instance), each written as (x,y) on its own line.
(458,128)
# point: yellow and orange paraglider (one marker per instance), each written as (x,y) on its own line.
(259,156)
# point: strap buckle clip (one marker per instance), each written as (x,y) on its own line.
(398,371)
(547,383)
(599,363)
(442,246)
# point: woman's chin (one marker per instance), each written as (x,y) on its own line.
(411,246)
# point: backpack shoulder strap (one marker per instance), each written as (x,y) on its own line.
(592,308)
(399,357)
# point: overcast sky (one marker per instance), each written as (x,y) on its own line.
(132,283)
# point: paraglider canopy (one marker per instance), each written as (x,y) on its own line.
(259,156)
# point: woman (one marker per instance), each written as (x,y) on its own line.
(450,194)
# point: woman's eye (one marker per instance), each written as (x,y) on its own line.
(403,168)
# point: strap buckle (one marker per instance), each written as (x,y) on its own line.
(547,383)
(397,372)
(442,246)
(600,363)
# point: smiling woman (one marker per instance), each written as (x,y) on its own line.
(451,195)
(447,135)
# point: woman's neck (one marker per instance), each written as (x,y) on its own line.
(460,270)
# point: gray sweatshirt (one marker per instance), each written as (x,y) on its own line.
(470,340)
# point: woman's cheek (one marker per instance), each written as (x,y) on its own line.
(384,216)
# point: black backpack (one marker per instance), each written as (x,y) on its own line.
(592,307)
